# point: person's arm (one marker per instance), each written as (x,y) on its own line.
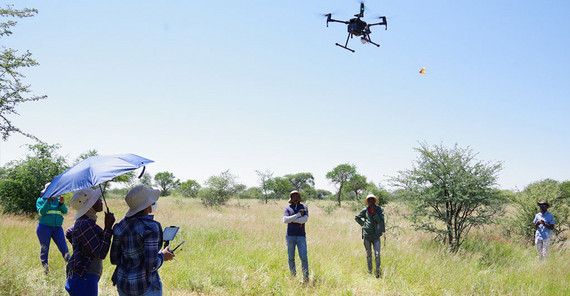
(62,207)
(69,234)
(290,218)
(115,254)
(358,218)
(42,205)
(378,214)
(153,256)
(303,218)
(536,221)
(549,223)
(94,240)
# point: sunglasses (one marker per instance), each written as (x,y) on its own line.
(543,206)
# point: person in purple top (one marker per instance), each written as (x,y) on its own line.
(90,243)
(544,222)
(296,215)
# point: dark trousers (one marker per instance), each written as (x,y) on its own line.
(368,244)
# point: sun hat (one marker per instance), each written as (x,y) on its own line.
(45,187)
(543,202)
(295,192)
(369,197)
(83,200)
(139,198)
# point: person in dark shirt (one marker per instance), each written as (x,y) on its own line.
(371,220)
(90,243)
(296,215)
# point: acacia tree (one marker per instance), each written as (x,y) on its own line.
(280,186)
(264,178)
(340,175)
(166,181)
(301,180)
(12,89)
(357,184)
(450,186)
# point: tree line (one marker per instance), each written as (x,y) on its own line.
(448,190)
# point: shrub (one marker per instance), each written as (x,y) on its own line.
(209,197)
(525,202)
(22,181)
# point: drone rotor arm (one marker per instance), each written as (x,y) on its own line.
(337,21)
(384,22)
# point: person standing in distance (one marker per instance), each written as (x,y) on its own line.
(51,211)
(544,222)
(296,215)
(371,220)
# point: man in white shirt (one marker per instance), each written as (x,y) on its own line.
(544,222)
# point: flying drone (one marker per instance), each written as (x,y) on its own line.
(358,27)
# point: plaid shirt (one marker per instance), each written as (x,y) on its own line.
(90,242)
(135,251)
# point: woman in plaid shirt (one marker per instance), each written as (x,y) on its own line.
(90,243)
(136,246)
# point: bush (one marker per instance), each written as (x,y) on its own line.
(525,203)
(209,197)
(22,181)
(189,188)
(220,189)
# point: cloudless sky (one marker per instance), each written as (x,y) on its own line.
(205,86)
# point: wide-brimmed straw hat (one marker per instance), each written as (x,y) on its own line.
(83,200)
(295,192)
(543,202)
(369,197)
(139,198)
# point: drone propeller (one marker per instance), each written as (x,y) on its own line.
(329,16)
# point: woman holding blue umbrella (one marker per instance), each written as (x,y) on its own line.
(51,211)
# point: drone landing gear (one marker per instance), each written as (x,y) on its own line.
(345,45)
(367,39)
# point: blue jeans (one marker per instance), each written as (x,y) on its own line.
(148,292)
(88,285)
(301,243)
(45,235)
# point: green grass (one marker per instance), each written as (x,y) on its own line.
(239,249)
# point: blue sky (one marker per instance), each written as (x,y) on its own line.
(205,86)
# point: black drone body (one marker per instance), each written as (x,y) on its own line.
(358,27)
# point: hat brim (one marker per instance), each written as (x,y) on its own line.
(152,198)
(93,198)
(373,197)
(295,192)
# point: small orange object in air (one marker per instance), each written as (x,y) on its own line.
(423,71)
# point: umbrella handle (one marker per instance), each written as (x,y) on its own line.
(142,173)
(104,200)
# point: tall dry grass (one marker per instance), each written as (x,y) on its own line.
(239,249)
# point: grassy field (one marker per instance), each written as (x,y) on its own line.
(240,249)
